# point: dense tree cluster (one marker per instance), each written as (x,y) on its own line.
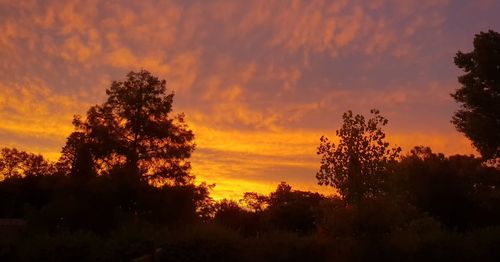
(15,163)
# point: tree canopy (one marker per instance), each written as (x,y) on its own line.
(134,132)
(16,163)
(479,95)
(356,166)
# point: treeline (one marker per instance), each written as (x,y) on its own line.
(434,207)
(122,190)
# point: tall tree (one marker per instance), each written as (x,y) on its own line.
(357,166)
(133,131)
(479,96)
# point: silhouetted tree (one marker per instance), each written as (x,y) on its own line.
(293,210)
(76,157)
(358,164)
(15,163)
(230,214)
(133,131)
(254,201)
(458,190)
(479,95)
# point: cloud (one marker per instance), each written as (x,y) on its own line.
(33,113)
(260,81)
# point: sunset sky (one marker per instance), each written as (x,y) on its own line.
(259,81)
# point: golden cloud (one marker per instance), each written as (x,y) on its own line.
(260,81)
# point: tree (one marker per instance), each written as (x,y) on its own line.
(15,163)
(254,201)
(357,166)
(479,96)
(458,190)
(133,132)
(293,210)
(76,157)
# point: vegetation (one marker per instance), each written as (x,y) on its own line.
(359,164)
(479,95)
(15,163)
(132,132)
(122,191)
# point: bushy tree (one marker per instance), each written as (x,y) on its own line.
(15,163)
(134,132)
(458,190)
(358,164)
(293,210)
(254,201)
(479,95)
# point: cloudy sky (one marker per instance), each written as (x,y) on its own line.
(259,81)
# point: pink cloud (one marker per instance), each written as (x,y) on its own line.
(260,78)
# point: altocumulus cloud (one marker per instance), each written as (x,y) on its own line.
(259,81)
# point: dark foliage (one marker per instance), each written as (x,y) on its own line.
(458,190)
(435,208)
(357,167)
(132,130)
(99,204)
(479,95)
(15,163)
(293,210)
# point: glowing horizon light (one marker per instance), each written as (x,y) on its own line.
(259,81)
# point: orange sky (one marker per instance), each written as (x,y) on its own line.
(259,81)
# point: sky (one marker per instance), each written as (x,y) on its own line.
(259,81)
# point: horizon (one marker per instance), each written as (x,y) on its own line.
(259,82)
